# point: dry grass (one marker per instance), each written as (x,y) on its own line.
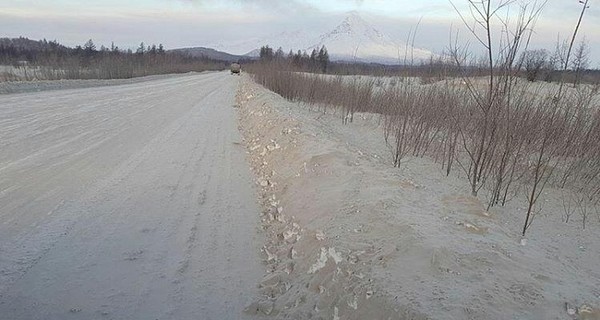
(526,141)
(509,137)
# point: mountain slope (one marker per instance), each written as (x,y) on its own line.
(198,52)
(287,40)
(354,39)
(24,44)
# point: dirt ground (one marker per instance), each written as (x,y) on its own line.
(127,202)
(351,237)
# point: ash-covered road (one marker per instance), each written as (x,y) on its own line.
(127,202)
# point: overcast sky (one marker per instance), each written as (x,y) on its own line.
(183,23)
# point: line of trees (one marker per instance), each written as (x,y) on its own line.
(50,60)
(541,65)
(532,64)
(317,61)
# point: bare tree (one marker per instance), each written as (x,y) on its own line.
(534,62)
(580,61)
(568,205)
(582,205)
(585,6)
(500,66)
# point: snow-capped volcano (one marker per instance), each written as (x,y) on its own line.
(354,39)
(287,40)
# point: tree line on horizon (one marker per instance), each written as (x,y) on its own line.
(50,60)
(317,61)
(531,64)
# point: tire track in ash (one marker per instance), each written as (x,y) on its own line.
(143,239)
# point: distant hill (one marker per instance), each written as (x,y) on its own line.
(25,44)
(354,39)
(198,52)
(13,50)
(90,62)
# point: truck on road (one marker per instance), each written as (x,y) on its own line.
(235,68)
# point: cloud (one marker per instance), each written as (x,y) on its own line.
(269,5)
(286,6)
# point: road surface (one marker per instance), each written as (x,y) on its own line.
(127,202)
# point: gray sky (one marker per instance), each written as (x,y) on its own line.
(181,23)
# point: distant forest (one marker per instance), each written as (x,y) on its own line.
(317,61)
(533,65)
(45,59)
(42,59)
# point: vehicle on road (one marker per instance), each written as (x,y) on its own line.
(236,68)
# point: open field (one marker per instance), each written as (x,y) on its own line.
(509,137)
(126,202)
(351,237)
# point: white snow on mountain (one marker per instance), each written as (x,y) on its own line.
(287,40)
(354,39)
(357,40)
